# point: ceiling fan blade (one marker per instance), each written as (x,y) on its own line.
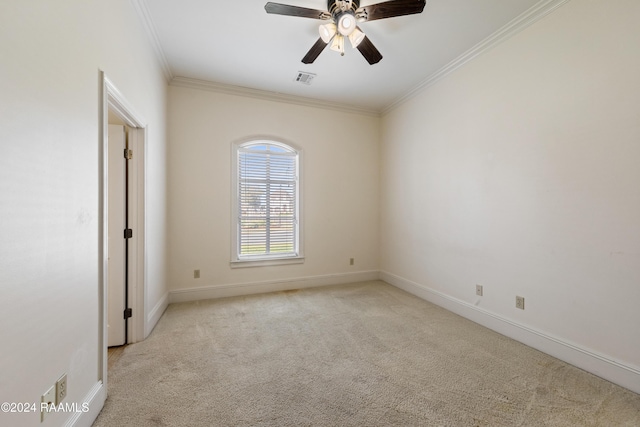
(315,51)
(390,9)
(303,12)
(369,51)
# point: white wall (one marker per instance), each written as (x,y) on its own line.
(521,172)
(52,53)
(340,188)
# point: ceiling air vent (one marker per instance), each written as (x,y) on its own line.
(305,78)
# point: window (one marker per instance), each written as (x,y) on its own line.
(266,204)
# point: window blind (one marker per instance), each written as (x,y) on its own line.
(267,201)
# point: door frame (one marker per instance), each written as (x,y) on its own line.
(113,101)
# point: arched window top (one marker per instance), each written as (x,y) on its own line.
(268,146)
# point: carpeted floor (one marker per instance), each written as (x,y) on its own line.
(366,354)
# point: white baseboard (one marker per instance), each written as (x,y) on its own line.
(155,314)
(233,290)
(597,364)
(95,400)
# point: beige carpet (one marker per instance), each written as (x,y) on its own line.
(357,355)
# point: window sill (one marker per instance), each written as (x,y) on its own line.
(245,263)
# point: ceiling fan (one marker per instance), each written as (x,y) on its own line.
(343,17)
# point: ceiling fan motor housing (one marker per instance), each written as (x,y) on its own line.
(336,6)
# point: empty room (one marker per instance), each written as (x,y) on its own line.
(320,213)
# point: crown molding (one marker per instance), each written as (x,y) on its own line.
(270,96)
(524,20)
(147,22)
(532,15)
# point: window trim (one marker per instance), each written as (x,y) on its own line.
(269,260)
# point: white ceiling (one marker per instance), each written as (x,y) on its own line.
(236,43)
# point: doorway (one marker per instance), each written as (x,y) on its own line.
(127,265)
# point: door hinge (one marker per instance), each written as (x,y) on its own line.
(128,313)
(128,233)
(128,154)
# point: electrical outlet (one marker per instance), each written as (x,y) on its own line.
(61,389)
(520,303)
(352,261)
(479,290)
(196,274)
(46,402)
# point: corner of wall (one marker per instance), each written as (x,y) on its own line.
(155,314)
(597,364)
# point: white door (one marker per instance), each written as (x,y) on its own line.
(117,215)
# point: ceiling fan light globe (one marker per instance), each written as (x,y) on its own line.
(356,38)
(346,24)
(338,44)
(327,31)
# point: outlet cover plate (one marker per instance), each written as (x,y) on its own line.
(520,303)
(61,389)
(479,290)
(50,399)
